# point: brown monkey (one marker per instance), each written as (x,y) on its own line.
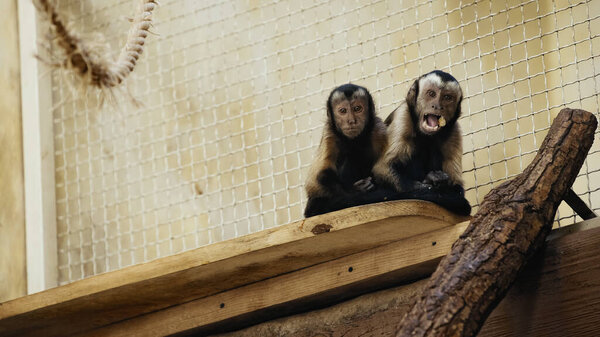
(425,143)
(353,140)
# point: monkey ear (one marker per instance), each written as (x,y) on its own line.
(411,97)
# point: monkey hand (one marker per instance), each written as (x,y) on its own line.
(437,178)
(364,185)
(417,185)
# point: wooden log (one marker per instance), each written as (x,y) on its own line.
(511,224)
(578,205)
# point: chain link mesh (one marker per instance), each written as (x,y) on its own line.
(232,104)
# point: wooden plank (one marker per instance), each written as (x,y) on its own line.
(372,314)
(13,276)
(38,144)
(212,269)
(311,287)
(558,294)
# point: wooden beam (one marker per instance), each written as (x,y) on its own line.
(557,295)
(312,287)
(130,292)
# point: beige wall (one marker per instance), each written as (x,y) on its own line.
(233,97)
(13,282)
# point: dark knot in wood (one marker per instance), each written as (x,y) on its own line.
(321,228)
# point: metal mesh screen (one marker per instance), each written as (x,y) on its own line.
(233,96)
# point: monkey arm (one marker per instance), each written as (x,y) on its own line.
(396,174)
(323,181)
(452,151)
(322,177)
(437,178)
(332,184)
(383,174)
(334,195)
(450,197)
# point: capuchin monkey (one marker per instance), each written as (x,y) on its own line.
(354,138)
(423,157)
(353,141)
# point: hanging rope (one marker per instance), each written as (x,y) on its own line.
(88,59)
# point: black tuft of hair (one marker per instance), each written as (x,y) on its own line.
(348,89)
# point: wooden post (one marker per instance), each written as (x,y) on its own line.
(38,161)
(13,275)
(511,224)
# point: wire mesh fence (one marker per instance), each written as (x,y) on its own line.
(232,104)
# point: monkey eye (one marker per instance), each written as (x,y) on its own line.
(431,93)
(357,108)
(342,110)
(448,97)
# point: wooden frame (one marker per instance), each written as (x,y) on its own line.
(379,240)
(38,158)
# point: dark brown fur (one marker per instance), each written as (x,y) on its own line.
(340,161)
(414,157)
(409,163)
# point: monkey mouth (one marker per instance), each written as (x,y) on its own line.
(432,123)
(352,132)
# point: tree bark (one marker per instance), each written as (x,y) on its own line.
(511,224)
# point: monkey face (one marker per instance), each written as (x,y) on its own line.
(437,103)
(350,114)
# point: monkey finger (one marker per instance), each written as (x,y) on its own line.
(421,185)
(362,188)
(364,185)
(437,178)
(361,182)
